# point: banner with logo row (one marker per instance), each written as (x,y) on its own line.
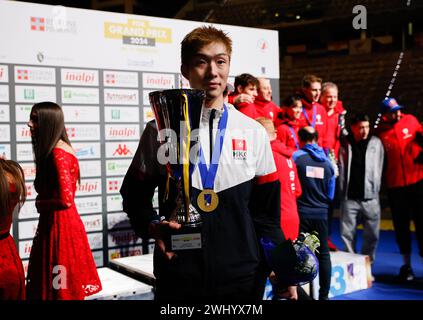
(60,36)
(100,67)
(105,113)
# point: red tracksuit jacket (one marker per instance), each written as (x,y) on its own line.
(259,108)
(401,151)
(320,123)
(290,189)
(286,136)
(333,130)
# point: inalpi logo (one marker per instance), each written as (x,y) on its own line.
(121,132)
(88,187)
(80,77)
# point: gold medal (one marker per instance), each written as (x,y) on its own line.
(203,204)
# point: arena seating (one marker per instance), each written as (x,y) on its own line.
(363,80)
(266,13)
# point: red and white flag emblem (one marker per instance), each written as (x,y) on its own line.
(239,145)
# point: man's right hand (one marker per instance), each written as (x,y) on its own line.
(158,230)
(243,97)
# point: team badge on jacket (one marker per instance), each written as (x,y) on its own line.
(239,149)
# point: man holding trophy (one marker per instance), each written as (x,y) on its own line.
(218,191)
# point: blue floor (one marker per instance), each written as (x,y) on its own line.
(385,268)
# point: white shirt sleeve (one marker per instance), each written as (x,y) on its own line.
(265,163)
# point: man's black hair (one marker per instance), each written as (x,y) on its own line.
(307,136)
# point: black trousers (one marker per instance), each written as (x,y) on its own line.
(250,289)
(407,204)
(334,204)
(325,265)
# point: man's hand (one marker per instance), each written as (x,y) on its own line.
(288,293)
(243,97)
(158,230)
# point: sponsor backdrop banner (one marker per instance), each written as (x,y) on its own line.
(100,67)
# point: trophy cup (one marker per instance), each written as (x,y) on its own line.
(177,113)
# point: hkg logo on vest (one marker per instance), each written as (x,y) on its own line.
(406,133)
(319,119)
(239,149)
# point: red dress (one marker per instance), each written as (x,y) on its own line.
(61,265)
(12,277)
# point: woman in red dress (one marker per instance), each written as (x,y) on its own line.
(12,192)
(61,265)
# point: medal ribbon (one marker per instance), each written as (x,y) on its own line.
(313,124)
(208,176)
(294,135)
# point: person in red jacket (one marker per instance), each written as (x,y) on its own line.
(245,92)
(314,114)
(287,131)
(265,107)
(401,135)
(288,178)
(335,117)
(334,127)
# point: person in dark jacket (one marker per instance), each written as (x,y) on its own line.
(229,265)
(317,178)
(361,163)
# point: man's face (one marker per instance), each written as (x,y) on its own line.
(329,98)
(265,90)
(312,93)
(361,130)
(394,116)
(208,70)
(250,89)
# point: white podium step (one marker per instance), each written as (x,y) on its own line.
(350,272)
(117,286)
(139,267)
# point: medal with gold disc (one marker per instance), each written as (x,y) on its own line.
(208,200)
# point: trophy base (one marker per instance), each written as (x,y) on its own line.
(188,237)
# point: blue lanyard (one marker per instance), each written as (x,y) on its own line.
(294,135)
(209,175)
(313,124)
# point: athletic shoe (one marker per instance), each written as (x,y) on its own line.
(406,273)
